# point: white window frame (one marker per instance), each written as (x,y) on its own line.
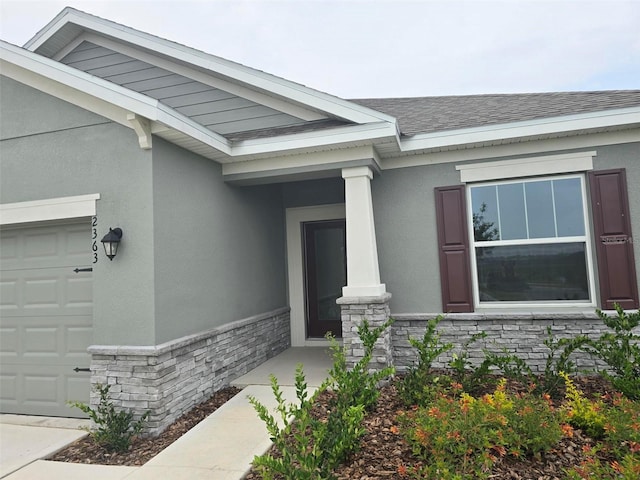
(591,303)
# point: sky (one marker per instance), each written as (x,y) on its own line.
(388,48)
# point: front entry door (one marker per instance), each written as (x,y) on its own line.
(325,274)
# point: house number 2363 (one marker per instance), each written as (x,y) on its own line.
(94,239)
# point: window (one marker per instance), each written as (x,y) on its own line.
(529,242)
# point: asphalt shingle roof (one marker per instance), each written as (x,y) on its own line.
(433,114)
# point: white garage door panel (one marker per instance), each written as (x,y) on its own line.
(45,318)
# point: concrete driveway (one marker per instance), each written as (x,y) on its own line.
(25,439)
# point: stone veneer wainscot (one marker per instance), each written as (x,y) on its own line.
(171,378)
(522,334)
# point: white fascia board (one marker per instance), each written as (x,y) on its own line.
(545,126)
(109,92)
(278,86)
(322,138)
(301,160)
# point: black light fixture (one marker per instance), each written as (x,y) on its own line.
(110,242)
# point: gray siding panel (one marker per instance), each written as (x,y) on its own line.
(106,72)
(87,54)
(156,83)
(212,107)
(220,111)
(127,78)
(227,116)
(112,59)
(85,46)
(254,124)
(195,98)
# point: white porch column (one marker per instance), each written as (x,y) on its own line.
(363,273)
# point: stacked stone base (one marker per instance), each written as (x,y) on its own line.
(170,379)
(519,334)
(376,311)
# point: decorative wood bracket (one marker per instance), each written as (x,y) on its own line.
(142,127)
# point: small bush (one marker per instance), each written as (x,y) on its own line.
(310,448)
(357,385)
(559,361)
(112,429)
(418,385)
(620,350)
(627,468)
(463,437)
(587,415)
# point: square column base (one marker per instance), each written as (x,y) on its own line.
(375,310)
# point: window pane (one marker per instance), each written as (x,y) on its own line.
(512,216)
(485,213)
(522,273)
(569,213)
(540,209)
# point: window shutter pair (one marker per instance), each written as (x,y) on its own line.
(614,247)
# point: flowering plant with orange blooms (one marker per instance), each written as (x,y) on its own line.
(461,436)
(592,467)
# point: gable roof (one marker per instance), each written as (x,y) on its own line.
(417,115)
(71,23)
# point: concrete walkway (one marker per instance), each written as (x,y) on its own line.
(221,447)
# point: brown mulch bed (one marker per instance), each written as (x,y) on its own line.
(144,449)
(383,451)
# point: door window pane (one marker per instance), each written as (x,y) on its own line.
(523,273)
(331,274)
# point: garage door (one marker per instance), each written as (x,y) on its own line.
(45,318)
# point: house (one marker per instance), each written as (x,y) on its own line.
(256,213)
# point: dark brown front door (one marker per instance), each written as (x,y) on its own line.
(325,275)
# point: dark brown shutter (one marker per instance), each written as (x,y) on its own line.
(614,247)
(453,244)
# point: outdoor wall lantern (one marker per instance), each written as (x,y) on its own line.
(110,242)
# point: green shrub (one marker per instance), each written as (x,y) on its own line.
(419,383)
(112,429)
(622,425)
(559,361)
(620,350)
(587,415)
(462,437)
(357,385)
(310,449)
(592,467)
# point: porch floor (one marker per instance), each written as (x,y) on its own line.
(316,363)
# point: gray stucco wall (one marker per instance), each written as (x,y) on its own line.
(219,250)
(404,210)
(405,219)
(313,192)
(50,148)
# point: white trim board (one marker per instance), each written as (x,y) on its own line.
(527,167)
(49,209)
(295,267)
